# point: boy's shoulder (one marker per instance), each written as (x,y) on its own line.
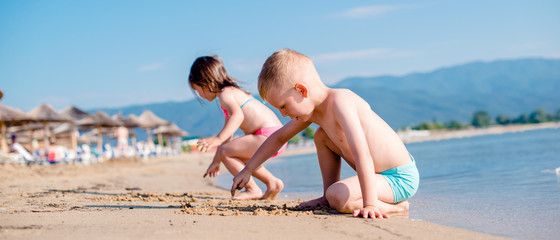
(344,95)
(347,99)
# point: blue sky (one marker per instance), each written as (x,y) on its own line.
(117,53)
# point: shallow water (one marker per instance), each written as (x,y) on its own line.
(506,185)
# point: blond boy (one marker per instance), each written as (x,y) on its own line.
(349,129)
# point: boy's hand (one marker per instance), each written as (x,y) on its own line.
(370,211)
(212,170)
(239,181)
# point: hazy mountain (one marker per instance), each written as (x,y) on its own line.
(508,87)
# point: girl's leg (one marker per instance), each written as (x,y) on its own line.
(235,154)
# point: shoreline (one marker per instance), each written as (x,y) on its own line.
(414,136)
(167,197)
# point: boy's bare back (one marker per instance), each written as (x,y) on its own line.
(385,147)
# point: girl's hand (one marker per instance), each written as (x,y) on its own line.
(213,170)
(370,211)
(207,143)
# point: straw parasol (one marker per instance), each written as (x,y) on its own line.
(88,137)
(126,122)
(149,120)
(27,132)
(170,131)
(97,120)
(13,117)
(133,118)
(76,114)
(10,117)
(130,123)
(46,114)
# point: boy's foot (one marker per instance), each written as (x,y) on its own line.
(402,206)
(273,190)
(248,195)
(322,201)
(394,207)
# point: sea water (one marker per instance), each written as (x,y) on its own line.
(506,185)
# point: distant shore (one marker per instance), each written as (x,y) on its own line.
(437,135)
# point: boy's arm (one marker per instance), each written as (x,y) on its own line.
(270,146)
(347,114)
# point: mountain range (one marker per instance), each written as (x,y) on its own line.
(509,87)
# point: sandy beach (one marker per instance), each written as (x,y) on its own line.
(167,197)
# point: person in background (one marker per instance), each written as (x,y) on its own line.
(121,133)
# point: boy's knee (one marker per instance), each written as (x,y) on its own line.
(338,196)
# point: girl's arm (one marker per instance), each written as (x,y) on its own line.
(231,124)
(270,146)
(236,116)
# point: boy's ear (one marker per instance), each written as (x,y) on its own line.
(302,89)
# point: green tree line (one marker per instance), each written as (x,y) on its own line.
(482,118)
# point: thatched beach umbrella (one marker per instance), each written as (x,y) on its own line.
(27,132)
(76,114)
(26,127)
(126,122)
(170,131)
(63,128)
(133,118)
(10,117)
(46,114)
(149,120)
(130,122)
(87,137)
(97,120)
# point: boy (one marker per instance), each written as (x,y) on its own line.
(349,129)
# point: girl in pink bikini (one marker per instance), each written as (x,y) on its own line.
(209,79)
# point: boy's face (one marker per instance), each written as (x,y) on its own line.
(292,103)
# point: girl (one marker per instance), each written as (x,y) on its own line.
(209,79)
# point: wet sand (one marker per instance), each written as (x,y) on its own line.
(167,197)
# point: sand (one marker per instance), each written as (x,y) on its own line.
(167,197)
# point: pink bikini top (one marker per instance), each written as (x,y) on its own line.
(227,114)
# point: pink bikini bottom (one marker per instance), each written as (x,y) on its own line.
(267,132)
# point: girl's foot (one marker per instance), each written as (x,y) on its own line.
(248,194)
(273,189)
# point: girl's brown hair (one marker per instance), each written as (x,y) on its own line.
(209,72)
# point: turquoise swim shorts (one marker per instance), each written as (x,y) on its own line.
(403,180)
